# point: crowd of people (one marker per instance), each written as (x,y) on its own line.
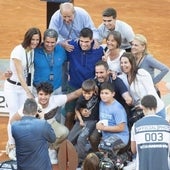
(81,83)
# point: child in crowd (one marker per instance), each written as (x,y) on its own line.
(113,121)
(91,162)
(87,116)
(150,138)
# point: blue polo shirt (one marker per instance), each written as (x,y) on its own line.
(46,65)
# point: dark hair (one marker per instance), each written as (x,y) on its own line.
(45,87)
(88,85)
(50,33)
(107,85)
(116,36)
(132,61)
(30,107)
(149,101)
(28,37)
(102,63)
(109,12)
(86,32)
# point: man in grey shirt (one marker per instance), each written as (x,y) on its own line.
(110,23)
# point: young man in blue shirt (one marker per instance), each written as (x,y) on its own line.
(82,62)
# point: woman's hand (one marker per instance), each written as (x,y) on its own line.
(113,74)
(8,74)
(30,95)
(106,55)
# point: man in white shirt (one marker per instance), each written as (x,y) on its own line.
(48,103)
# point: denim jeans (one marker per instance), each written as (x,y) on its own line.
(81,142)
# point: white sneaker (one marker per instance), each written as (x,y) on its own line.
(11,151)
(53,156)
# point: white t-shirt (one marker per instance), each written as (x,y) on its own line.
(143,85)
(114,65)
(54,101)
(19,53)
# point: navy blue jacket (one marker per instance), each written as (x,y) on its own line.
(82,63)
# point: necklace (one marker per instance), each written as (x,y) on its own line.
(139,60)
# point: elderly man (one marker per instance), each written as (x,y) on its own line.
(68,21)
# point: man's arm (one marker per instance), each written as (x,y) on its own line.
(133,142)
(117,128)
(133,147)
(68,47)
(78,114)
(74,95)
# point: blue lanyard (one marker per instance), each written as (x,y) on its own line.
(50,59)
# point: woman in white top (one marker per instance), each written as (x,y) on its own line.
(113,51)
(140,82)
(18,87)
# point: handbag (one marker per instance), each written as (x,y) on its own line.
(158,91)
(136,114)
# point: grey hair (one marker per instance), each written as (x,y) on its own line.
(50,33)
(30,107)
(67,6)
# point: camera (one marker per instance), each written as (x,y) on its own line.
(106,164)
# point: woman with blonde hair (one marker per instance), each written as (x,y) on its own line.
(147,61)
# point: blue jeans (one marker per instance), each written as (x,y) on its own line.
(79,137)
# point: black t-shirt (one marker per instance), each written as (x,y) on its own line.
(92,105)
